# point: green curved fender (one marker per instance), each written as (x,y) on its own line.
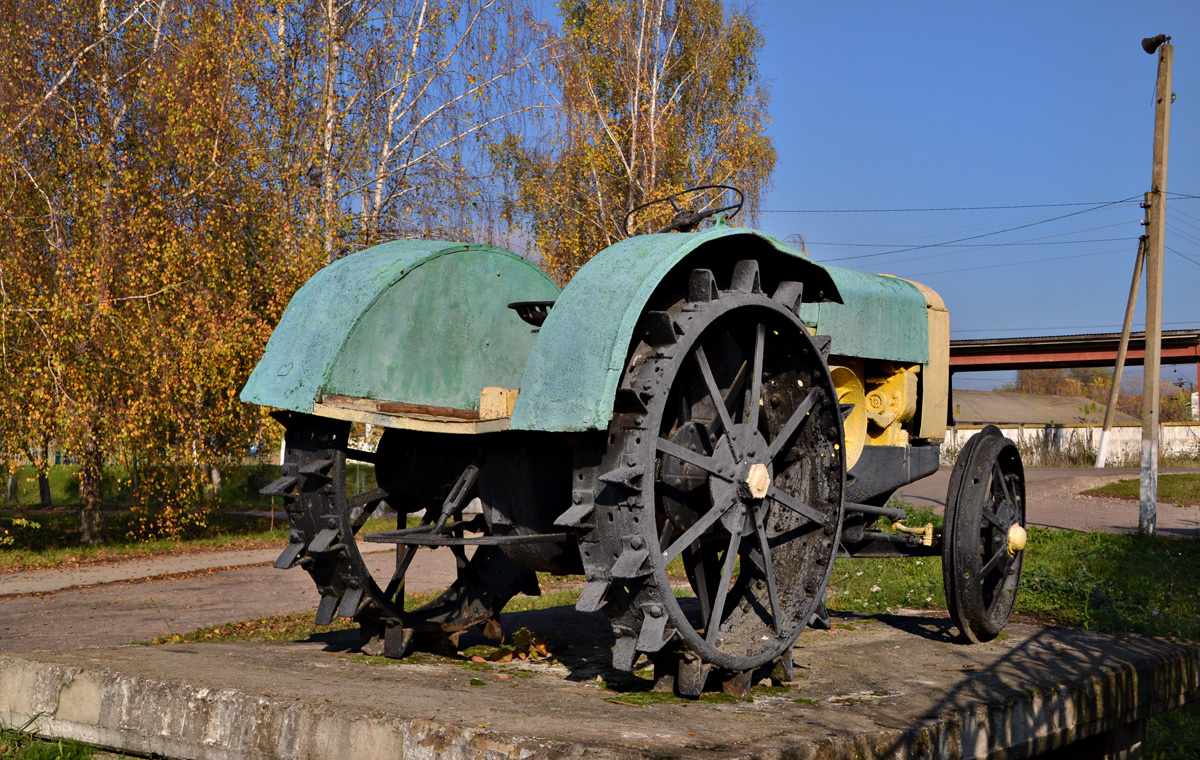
(414,321)
(571,377)
(879,318)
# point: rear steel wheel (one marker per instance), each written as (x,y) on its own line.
(736,466)
(412,475)
(981,570)
(323,522)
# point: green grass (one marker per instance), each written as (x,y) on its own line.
(240,486)
(1104,582)
(547,600)
(1112,583)
(1181,489)
(56,542)
(15,745)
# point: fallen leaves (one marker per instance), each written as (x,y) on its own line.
(525,646)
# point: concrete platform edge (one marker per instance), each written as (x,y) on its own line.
(177,720)
(174,719)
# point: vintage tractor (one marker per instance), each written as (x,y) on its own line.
(713,400)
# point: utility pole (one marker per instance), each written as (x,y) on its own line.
(1110,409)
(1156,218)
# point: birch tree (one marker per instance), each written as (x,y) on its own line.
(656,96)
(382,107)
(173,170)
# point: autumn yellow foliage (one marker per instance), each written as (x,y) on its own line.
(657,96)
(171,171)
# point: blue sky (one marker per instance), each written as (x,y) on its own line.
(935,105)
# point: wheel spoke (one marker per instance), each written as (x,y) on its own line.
(794,504)
(996,559)
(735,388)
(718,610)
(402,564)
(700,570)
(714,392)
(768,569)
(785,435)
(697,528)
(739,380)
(993,518)
(664,538)
(755,398)
(715,429)
(999,475)
(670,448)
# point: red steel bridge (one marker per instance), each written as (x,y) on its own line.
(1050,351)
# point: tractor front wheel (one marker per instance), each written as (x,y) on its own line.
(735,468)
(984,539)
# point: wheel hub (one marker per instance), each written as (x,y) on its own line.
(741,453)
(758,480)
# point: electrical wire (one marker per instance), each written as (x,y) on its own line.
(1185,235)
(974,249)
(983,235)
(917,235)
(1172,210)
(1170,193)
(993,245)
(1020,263)
(1176,217)
(947,208)
(1182,256)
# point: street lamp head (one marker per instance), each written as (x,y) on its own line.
(1150,44)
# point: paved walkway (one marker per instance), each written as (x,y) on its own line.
(57,579)
(170,595)
(124,602)
(1053,499)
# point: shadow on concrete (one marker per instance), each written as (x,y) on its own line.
(931,627)
(1057,685)
(338,641)
(581,641)
(1051,687)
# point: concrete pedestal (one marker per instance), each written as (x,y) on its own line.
(891,687)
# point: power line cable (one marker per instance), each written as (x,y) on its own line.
(946,208)
(1176,214)
(1019,263)
(974,249)
(1170,193)
(993,245)
(915,236)
(1173,210)
(1182,256)
(1176,219)
(983,235)
(1185,235)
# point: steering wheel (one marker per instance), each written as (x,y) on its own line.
(685,220)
